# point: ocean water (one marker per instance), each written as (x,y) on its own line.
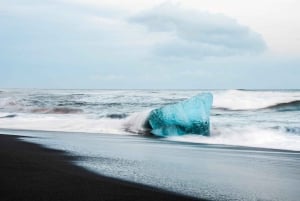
(265,119)
(253,152)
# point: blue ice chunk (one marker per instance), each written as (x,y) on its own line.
(190,116)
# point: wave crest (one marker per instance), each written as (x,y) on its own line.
(289,106)
(235,100)
(9,116)
(57,110)
(116,116)
(280,107)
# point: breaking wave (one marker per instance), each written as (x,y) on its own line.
(57,110)
(289,106)
(9,116)
(280,107)
(240,100)
(116,116)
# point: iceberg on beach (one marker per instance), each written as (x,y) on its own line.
(190,116)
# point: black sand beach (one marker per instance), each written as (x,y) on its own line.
(31,172)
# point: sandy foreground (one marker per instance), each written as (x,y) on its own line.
(31,172)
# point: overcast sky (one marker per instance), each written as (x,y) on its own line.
(187,44)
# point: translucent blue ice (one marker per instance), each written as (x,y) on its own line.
(190,116)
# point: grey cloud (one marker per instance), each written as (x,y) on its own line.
(199,34)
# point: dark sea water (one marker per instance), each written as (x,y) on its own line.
(253,152)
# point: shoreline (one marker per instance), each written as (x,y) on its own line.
(30,172)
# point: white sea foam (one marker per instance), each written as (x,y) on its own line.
(136,122)
(249,137)
(65,123)
(132,124)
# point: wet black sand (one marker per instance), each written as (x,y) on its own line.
(31,172)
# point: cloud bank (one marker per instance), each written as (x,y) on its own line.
(198,34)
(61,44)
